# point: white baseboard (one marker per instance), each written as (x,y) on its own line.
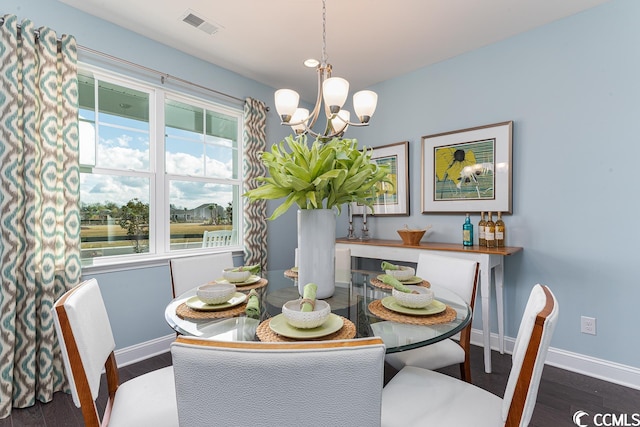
(138,352)
(613,372)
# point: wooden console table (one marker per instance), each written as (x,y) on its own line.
(488,258)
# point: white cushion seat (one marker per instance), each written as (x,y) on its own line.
(423,397)
(144,400)
(433,356)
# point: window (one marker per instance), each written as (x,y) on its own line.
(158,170)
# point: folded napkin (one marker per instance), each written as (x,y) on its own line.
(253,305)
(309,297)
(388,266)
(392,281)
(255,269)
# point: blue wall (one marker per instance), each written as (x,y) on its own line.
(571,88)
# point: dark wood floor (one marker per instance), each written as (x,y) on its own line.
(561,394)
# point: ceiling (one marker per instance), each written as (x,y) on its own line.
(367,41)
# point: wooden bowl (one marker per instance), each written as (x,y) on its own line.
(411,237)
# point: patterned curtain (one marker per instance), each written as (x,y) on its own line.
(255,213)
(39,192)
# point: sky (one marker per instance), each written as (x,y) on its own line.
(123,147)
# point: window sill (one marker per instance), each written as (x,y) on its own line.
(100,266)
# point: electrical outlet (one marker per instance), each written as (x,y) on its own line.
(588,325)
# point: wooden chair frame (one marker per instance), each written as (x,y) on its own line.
(516,409)
(87,404)
(465,334)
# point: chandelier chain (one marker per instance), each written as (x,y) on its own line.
(332,93)
(324,32)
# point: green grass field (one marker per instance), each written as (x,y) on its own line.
(177,229)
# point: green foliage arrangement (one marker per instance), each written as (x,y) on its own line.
(323,176)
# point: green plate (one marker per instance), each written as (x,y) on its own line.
(280,326)
(434,308)
(197,304)
(250,281)
(415,280)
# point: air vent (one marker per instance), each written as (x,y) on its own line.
(193,20)
(196,20)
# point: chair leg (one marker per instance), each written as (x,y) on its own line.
(465,370)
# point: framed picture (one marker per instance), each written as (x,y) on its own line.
(468,170)
(392,199)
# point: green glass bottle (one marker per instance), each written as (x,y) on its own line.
(467,232)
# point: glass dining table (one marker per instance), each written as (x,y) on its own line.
(362,305)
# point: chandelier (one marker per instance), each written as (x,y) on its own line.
(333,91)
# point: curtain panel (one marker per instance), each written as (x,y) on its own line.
(255,213)
(39,205)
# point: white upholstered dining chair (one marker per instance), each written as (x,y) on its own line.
(312,383)
(189,272)
(460,276)
(416,395)
(87,344)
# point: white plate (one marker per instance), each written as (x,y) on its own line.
(251,280)
(197,304)
(280,326)
(434,308)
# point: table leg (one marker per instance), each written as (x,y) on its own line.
(499,278)
(485,290)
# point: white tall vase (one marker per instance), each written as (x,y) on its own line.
(316,250)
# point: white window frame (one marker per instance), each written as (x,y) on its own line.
(159,180)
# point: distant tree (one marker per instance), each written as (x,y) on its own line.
(112,208)
(134,217)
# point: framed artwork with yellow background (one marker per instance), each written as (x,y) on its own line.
(392,198)
(468,170)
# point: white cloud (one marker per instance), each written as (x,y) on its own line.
(119,154)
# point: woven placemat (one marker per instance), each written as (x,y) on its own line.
(185,312)
(376,308)
(291,274)
(347,331)
(380,284)
(259,284)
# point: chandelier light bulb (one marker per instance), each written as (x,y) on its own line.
(286,103)
(300,115)
(340,122)
(364,104)
(335,91)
